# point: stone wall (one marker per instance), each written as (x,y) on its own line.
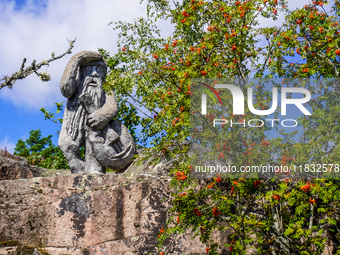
(87,214)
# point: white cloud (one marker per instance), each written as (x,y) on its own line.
(34,33)
(5,144)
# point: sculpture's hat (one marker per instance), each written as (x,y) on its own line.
(81,58)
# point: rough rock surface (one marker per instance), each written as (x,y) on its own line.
(14,170)
(14,167)
(87,214)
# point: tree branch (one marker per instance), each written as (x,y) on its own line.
(8,81)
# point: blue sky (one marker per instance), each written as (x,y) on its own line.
(22,4)
(34,29)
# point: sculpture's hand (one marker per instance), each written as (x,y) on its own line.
(95,120)
(99,119)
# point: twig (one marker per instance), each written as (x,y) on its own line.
(33,68)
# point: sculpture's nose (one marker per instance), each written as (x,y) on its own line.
(94,73)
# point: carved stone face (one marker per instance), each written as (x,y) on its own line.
(94,70)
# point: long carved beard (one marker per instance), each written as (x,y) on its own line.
(93,86)
(77,118)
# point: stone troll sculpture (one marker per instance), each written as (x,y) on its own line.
(88,118)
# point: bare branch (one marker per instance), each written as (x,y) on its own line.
(139,109)
(23,65)
(33,68)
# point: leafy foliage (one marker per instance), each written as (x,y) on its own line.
(41,151)
(223,39)
(51,116)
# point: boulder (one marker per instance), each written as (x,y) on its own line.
(87,214)
(13,167)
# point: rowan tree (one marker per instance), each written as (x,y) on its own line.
(225,39)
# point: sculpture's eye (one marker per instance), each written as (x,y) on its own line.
(88,69)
